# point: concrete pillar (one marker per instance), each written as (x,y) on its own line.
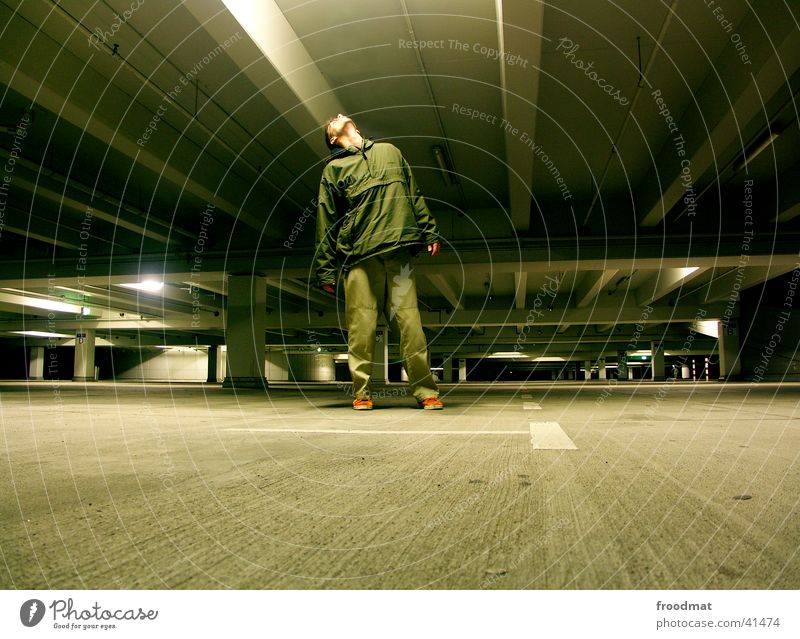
(277,366)
(245,324)
(447,370)
(222,362)
(587,365)
(601,367)
(685,372)
(622,365)
(462,370)
(324,368)
(36,363)
(657,362)
(213,364)
(380,367)
(83,370)
(730,366)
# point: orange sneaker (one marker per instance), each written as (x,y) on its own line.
(362,404)
(432,403)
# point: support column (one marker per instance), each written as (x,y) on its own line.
(657,362)
(730,366)
(447,370)
(462,370)
(685,372)
(380,367)
(587,365)
(245,325)
(213,359)
(324,368)
(277,366)
(36,363)
(601,367)
(83,370)
(622,365)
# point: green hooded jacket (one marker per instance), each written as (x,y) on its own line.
(368,204)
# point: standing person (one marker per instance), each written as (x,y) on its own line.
(371,219)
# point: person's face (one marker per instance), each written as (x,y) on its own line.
(340,127)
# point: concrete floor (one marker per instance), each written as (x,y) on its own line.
(146,486)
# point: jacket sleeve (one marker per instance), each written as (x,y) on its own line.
(425,221)
(327,222)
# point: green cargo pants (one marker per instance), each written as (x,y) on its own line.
(385,283)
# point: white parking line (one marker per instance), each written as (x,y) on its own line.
(347,431)
(550,436)
(531,406)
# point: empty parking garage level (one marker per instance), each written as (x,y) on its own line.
(548,250)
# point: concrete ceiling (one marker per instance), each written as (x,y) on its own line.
(560,174)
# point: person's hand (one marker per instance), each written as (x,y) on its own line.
(433,249)
(329,288)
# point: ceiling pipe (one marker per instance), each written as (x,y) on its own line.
(636,95)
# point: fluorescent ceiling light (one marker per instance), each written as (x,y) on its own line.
(756,150)
(549,359)
(271,32)
(506,355)
(149,286)
(51,305)
(40,334)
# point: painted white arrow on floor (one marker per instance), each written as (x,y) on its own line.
(550,436)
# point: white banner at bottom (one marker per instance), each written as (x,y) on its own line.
(397,614)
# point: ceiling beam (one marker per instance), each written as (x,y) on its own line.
(664,281)
(68,110)
(520,32)
(520,288)
(591,285)
(447,291)
(609,315)
(22,223)
(294,85)
(301,290)
(729,284)
(296,264)
(67,198)
(770,79)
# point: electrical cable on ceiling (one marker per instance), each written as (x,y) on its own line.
(651,60)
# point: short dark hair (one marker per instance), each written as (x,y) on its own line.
(330,146)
